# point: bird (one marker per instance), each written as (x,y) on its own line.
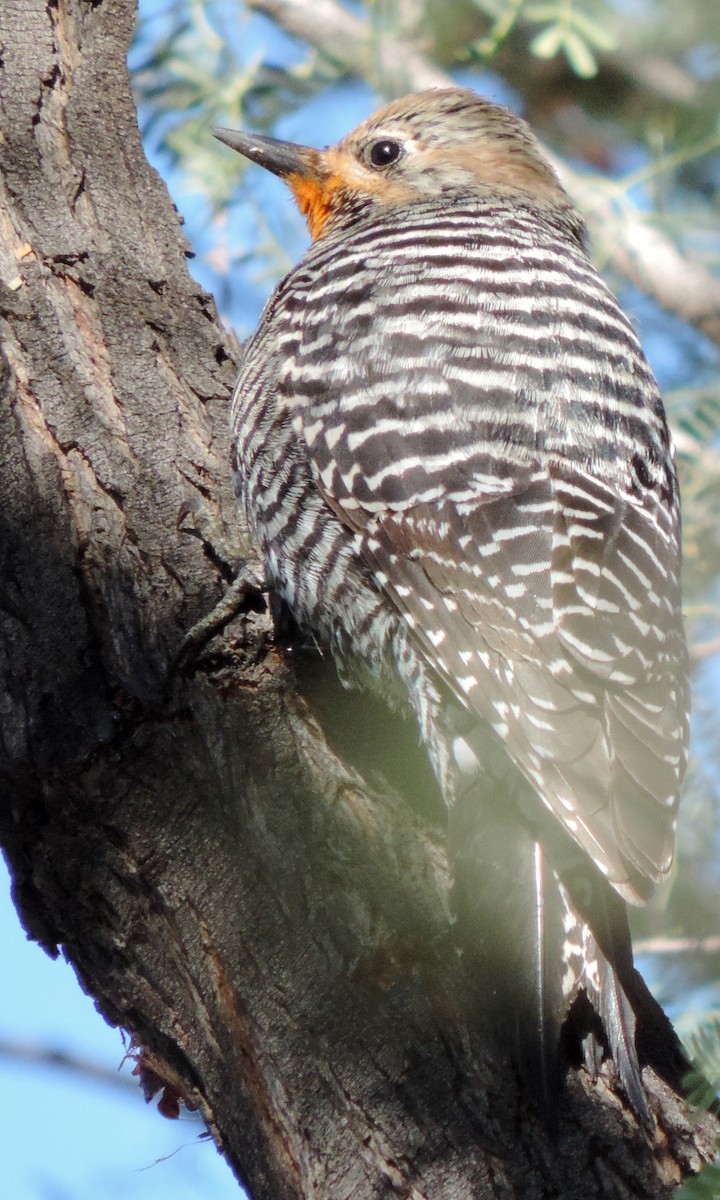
(454,459)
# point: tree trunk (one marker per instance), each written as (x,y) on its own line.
(223,845)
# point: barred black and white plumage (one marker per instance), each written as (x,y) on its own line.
(454,458)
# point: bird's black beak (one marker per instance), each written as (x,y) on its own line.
(282,158)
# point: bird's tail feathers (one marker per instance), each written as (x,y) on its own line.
(534,954)
(597,959)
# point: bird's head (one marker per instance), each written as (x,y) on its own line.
(421,146)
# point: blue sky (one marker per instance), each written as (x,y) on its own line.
(64,1136)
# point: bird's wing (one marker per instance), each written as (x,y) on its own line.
(566,645)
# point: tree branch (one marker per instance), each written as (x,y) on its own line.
(349,42)
(677,945)
(46,1056)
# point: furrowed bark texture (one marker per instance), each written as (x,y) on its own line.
(266,916)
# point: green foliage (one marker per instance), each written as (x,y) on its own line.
(194,75)
(697,414)
(701,1038)
(190,81)
(570,31)
(505,14)
(567,29)
(705,1186)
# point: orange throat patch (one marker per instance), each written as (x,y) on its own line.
(316,199)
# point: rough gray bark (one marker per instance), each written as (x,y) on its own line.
(266,915)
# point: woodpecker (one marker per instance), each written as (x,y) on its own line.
(455,461)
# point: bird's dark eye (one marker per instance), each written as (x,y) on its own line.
(382,154)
